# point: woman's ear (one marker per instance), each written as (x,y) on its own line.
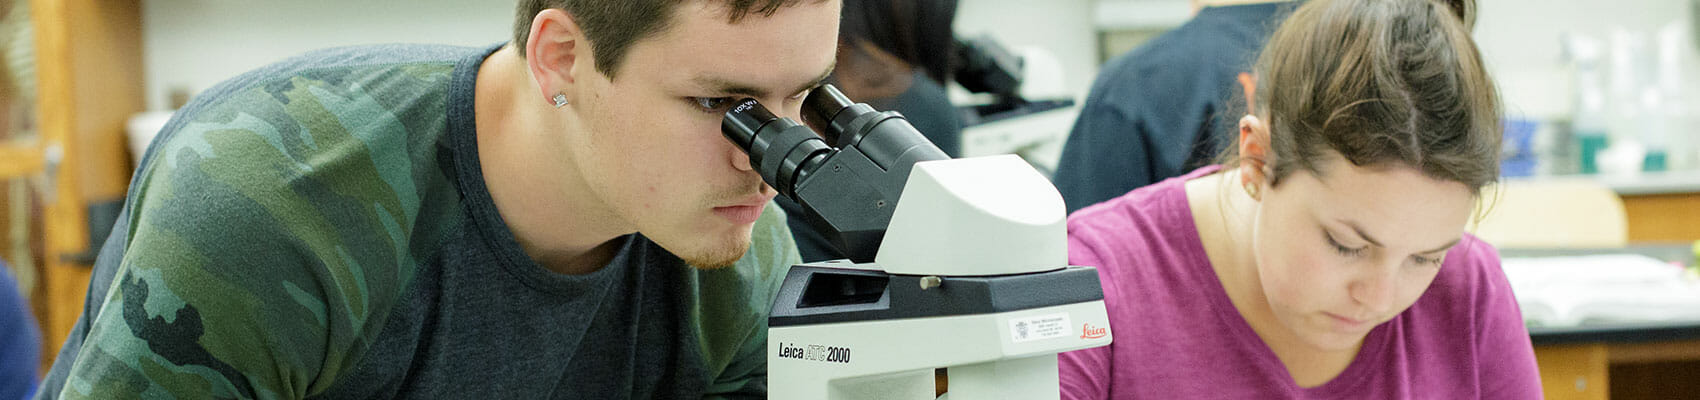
(553,52)
(1248,85)
(1254,152)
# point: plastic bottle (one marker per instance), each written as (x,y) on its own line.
(1630,100)
(1588,122)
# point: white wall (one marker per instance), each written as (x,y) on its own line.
(194,44)
(1519,40)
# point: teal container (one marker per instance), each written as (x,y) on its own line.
(1655,161)
(1589,147)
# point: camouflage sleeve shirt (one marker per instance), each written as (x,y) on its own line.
(320,228)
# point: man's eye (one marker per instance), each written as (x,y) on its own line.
(712,105)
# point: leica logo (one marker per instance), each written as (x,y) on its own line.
(790,351)
(1088,332)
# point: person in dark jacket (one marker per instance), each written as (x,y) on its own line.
(1166,107)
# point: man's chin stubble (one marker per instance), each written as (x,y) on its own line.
(717,258)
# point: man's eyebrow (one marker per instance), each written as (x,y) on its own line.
(721,85)
(1371,240)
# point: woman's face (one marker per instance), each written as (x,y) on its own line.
(1341,251)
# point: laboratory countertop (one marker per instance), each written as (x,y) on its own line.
(1622,332)
(1645,183)
(1616,333)
(1668,252)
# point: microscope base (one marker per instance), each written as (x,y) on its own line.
(1008,355)
(1032,378)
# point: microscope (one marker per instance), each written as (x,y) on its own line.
(1011,122)
(959,264)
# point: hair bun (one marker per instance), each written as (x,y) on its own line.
(1465,10)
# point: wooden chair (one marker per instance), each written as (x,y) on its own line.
(1552,213)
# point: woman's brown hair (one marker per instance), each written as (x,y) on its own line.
(1379,82)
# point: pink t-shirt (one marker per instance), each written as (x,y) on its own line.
(1177,336)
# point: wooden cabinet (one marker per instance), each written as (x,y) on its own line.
(1658,369)
(1663,217)
(89,72)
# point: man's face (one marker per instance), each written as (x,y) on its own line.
(649,145)
(1343,252)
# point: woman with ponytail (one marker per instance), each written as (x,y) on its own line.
(1327,256)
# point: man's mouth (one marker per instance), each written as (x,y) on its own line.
(746,211)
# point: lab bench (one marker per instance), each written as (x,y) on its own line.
(1652,360)
(1658,206)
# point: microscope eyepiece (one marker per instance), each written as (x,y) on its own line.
(781,150)
(822,106)
(742,122)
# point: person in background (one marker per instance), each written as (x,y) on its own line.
(556,217)
(894,55)
(897,55)
(20,341)
(1327,258)
(1164,108)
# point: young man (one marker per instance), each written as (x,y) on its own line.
(519,221)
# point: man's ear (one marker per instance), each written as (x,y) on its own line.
(553,52)
(1254,150)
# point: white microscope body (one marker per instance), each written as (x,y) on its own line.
(960,264)
(973,277)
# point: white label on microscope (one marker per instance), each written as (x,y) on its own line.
(1039,327)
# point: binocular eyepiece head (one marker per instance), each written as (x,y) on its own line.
(819,109)
(785,152)
(870,154)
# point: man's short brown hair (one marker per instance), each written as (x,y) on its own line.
(613,26)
